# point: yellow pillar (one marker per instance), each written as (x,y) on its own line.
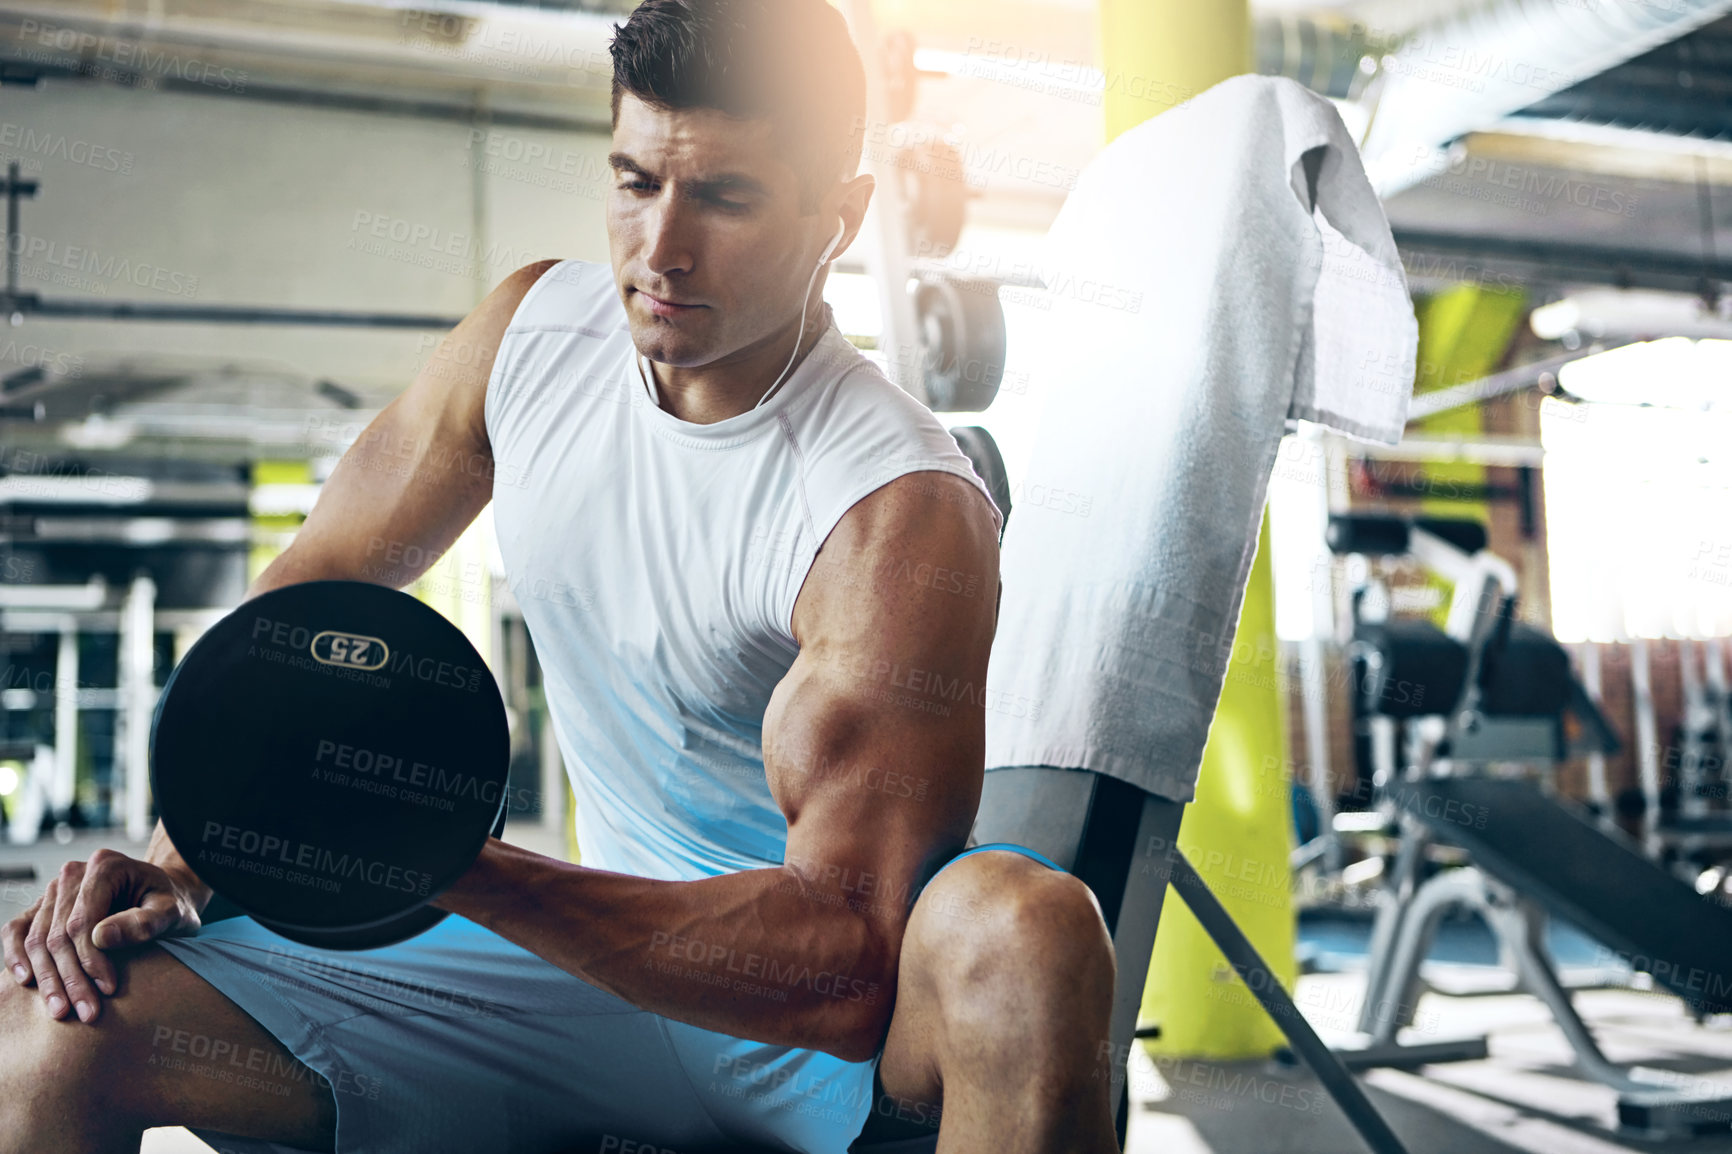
(460,586)
(1238,833)
(1463,334)
(272,532)
(1156,54)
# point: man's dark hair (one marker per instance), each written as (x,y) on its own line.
(791,61)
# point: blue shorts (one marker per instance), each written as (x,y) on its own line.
(459,1040)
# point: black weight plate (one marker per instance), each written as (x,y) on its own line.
(330,757)
(387,933)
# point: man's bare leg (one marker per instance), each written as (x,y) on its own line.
(1004,995)
(147,1061)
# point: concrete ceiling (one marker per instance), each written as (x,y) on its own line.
(1624,178)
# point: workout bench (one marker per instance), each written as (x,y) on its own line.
(1123,842)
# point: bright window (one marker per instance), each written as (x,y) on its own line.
(1639,493)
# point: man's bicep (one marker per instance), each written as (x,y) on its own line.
(874,799)
(875,741)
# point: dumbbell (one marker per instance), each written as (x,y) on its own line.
(330,757)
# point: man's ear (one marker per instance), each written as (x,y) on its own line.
(856,198)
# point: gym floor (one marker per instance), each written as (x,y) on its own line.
(1191,1107)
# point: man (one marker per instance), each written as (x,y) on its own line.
(761,580)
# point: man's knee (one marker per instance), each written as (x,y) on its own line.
(34,1041)
(1054,918)
(1004,922)
(51,1065)
(167,1049)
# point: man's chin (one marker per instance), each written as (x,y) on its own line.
(655,346)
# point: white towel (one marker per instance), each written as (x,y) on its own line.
(1196,296)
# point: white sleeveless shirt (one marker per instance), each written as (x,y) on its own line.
(656,563)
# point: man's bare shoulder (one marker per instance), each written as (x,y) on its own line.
(453,382)
(474,342)
(502,303)
(923,544)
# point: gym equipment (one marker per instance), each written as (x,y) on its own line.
(330,757)
(1535,854)
(1686,821)
(44,796)
(901,74)
(982,452)
(1123,842)
(130,613)
(1487,691)
(1599,880)
(935,188)
(1107,806)
(962,342)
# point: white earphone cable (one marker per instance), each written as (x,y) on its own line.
(800,333)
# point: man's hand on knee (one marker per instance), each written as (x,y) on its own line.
(111,902)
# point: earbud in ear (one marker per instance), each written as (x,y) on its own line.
(834,241)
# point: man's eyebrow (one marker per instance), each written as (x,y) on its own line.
(737,182)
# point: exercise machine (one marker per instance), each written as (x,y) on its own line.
(1459,720)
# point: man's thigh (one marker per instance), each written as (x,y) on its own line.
(458,1040)
(167,1049)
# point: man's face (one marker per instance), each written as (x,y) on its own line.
(704,213)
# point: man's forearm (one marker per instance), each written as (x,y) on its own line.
(161,853)
(761,954)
